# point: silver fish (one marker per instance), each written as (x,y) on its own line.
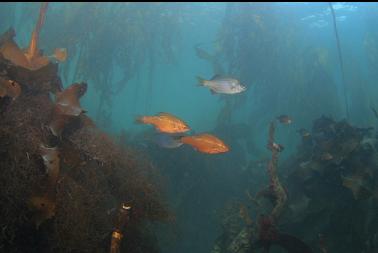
(224,85)
(168,141)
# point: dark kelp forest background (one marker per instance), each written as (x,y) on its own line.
(142,58)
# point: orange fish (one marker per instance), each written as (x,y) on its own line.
(206,143)
(165,123)
(68,102)
(9,88)
(60,54)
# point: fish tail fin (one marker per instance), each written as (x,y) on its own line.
(201,81)
(140,120)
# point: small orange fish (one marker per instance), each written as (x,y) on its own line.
(60,54)
(9,88)
(206,143)
(165,123)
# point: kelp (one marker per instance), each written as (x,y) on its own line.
(265,233)
(130,37)
(31,58)
(267,51)
(335,193)
(340,57)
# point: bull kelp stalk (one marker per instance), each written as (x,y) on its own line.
(340,59)
(33,46)
(275,185)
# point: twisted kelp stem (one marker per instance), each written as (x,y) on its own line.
(275,185)
(340,59)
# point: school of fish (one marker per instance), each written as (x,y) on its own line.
(170,134)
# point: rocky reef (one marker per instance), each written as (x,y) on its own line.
(62,179)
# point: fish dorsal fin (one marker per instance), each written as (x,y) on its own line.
(216,76)
(166,114)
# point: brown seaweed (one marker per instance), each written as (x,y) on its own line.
(67,106)
(94,174)
(32,57)
(275,186)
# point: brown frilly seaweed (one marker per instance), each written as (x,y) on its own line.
(95,176)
